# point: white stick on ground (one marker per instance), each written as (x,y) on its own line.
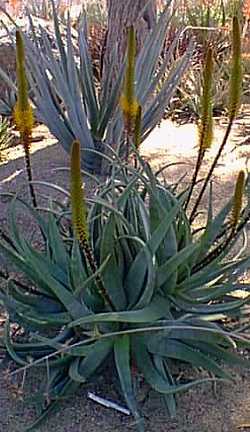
(108,404)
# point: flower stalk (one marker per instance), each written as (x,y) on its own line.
(23,113)
(238,199)
(137,131)
(128,101)
(205,126)
(78,201)
(79,218)
(233,105)
(235,86)
(137,134)
(234,226)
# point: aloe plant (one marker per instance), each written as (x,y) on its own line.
(68,101)
(168,292)
(123,276)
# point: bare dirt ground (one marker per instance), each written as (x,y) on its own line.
(200,409)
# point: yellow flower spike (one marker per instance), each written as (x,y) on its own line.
(235,86)
(238,198)
(24,120)
(205,125)
(21,76)
(206,121)
(79,219)
(23,113)
(78,203)
(128,101)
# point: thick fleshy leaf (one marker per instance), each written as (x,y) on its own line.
(77,271)
(182,351)
(166,270)
(163,368)
(153,312)
(214,272)
(153,377)
(81,369)
(112,275)
(122,361)
(137,272)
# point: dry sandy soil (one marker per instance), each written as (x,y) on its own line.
(200,409)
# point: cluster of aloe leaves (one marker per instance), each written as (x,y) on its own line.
(167,302)
(125,280)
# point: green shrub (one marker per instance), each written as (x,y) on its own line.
(208,22)
(96,12)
